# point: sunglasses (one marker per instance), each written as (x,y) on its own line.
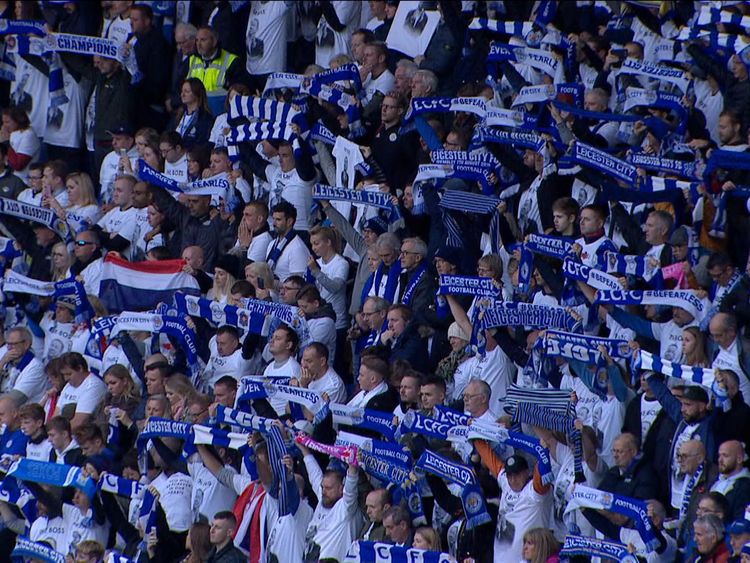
(83,242)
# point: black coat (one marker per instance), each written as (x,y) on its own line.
(228,554)
(410,346)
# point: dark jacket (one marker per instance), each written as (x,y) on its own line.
(733,424)
(654,452)
(40,263)
(204,231)
(385,402)
(228,554)
(153,53)
(637,481)
(410,346)
(424,293)
(199,130)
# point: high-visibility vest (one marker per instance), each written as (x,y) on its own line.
(213,74)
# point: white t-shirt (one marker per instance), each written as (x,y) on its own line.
(40,451)
(323,330)
(28,196)
(329,42)
(208,496)
(336,270)
(290,187)
(86,397)
(118,29)
(258,248)
(108,171)
(30,91)
(65,122)
(80,218)
(293,259)
(27,143)
(123,222)
(217,136)
(219,366)
(669,336)
(650,409)
(178,170)
(57,338)
(50,531)
(266,37)
(289,368)
(31,380)
(175,493)
(82,527)
(384,83)
(332,384)
(92,276)
(495,369)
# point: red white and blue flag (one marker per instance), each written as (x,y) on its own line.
(140,286)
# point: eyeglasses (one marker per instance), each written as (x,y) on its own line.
(685,456)
(83,243)
(409,252)
(17,343)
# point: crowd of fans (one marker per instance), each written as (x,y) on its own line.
(484,301)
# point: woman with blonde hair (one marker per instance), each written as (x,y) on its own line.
(427,538)
(540,546)
(61,261)
(82,209)
(225,274)
(178,389)
(694,347)
(260,276)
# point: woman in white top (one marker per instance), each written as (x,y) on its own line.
(82,209)
(61,261)
(24,143)
(153,237)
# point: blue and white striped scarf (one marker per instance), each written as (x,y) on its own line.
(528,315)
(469,202)
(260,131)
(587,546)
(646,361)
(120,486)
(474,173)
(320,132)
(262,109)
(518,29)
(682,298)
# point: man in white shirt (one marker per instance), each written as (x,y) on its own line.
(119,224)
(88,261)
(83,390)
(287,254)
(174,155)
(337,517)
(53,181)
(375,393)
(123,144)
(377,79)
(316,374)
(253,234)
(728,351)
(330,271)
(593,242)
(408,393)
(23,376)
(494,368)
(283,347)
(477,401)
(226,357)
(33,194)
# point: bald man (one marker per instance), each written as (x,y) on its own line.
(728,350)
(376,503)
(734,478)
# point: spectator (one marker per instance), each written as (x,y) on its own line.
(193,119)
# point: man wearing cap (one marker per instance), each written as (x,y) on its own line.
(694,422)
(739,535)
(123,146)
(734,478)
(525,503)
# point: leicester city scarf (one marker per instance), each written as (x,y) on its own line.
(225,415)
(462,475)
(56,474)
(120,486)
(542,93)
(471,172)
(373,198)
(539,59)
(556,247)
(501,117)
(602,162)
(418,423)
(413,282)
(519,29)
(42,215)
(587,546)
(286,80)
(644,97)
(468,285)
(421,106)
(73,288)
(528,315)
(669,166)
(22,27)
(377,552)
(636,510)
(370,419)
(575,270)
(26,548)
(288,393)
(682,298)
(580,347)
(525,139)
(474,157)
(631,265)
(211,186)
(671,75)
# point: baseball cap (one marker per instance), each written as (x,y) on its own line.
(121,130)
(739,527)
(516,464)
(695,393)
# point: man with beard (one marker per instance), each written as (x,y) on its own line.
(734,478)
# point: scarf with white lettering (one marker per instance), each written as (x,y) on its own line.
(587,546)
(56,474)
(420,106)
(468,285)
(311,400)
(42,215)
(465,157)
(687,493)
(653,71)
(370,419)
(14,282)
(549,245)
(581,347)
(286,80)
(519,138)
(539,59)
(669,166)
(529,315)
(644,97)
(682,298)
(225,415)
(378,199)
(575,270)
(462,475)
(71,287)
(335,96)
(120,486)
(413,282)
(603,162)
(501,117)
(25,547)
(542,93)
(415,422)
(386,471)
(23,27)
(217,185)
(378,552)
(346,454)
(471,172)
(393,451)
(636,510)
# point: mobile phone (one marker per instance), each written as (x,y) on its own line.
(261,283)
